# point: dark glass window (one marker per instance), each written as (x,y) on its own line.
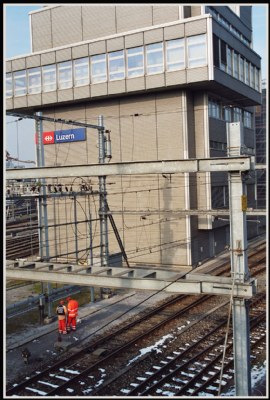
(216,51)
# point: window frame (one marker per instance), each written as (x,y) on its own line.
(214,107)
(76,68)
(46,71)
(131,71)
(241,69)
(100,77)
(236,64)
(180,47)
(66,65)
(189,44)
(247,119)
(112,57)
(219,197)
(9,81)
(34,88)
(252,76)
(247,72)
(223,55)
(150,68)
(16,76)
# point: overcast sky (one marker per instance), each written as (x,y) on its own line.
(19,136)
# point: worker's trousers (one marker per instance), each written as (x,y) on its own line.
(62,326)
(71,323)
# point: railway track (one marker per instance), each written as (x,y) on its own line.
(191,370)
(115,349)
(22,246)
(196,369)
(118,347)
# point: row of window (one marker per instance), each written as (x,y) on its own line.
(230,61)
(229,26)
(154,58)
(229,114)
(218,145)
(220,196)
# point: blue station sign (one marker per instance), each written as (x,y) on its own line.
(63,136)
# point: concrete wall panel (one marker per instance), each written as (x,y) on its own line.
(117,87)
(134,40)
(34,100)
(133,17)
(81,92)
(50,97)
(8,66)
(63,55)
(195,27)
(80,51)
(18,64)
(100,89)
(174,32)
(135,84)
(98,21)
(175,77)
(48,58)
(154,81)
(66,25)
(97,47)
(9,104)
(161,17)
(153,36)
(41,30)
(195,11)
(20,102)
(197,74)
(65,95)
(33,61)
(115,44)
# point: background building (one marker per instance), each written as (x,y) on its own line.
(166,79)
(261,158)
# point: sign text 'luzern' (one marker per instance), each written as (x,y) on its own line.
(63,136)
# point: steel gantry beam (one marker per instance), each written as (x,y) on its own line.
(130,278)
(56,120)
(226,164)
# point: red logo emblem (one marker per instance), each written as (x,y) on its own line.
(48,137)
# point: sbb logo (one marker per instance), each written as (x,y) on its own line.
(48,137)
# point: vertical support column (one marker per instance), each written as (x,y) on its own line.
(76,227)
(239,264)
(186,174)
(102,198)
(241,347)
(43,216)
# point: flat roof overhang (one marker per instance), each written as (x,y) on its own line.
(223,86)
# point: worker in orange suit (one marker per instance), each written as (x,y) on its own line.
(72,308)
(61,311)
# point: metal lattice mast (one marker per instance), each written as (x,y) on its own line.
(43,212)
(104,252)
(239,264)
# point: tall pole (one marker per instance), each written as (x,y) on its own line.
(239,264)
(43,216)
(76,227)
(104,252)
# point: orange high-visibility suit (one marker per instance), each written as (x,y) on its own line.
(72,307)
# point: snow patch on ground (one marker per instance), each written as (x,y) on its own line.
(154,347)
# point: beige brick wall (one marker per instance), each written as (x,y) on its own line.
(155,133)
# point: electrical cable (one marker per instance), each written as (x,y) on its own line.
(226,336)
(138,304)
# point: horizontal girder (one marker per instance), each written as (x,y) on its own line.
(129,278)
(242,163)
